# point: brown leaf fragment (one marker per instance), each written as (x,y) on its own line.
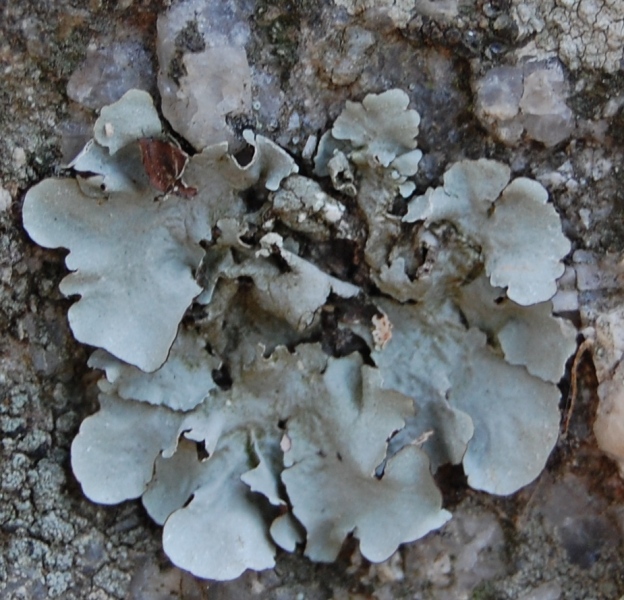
(164,164)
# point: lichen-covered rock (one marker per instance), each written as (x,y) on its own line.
(379,129)
(528,336)
(114,244)
(377,140)
(505,219)
(584,33)
(125,234)
(113,455)
(340,446)
(180,384)
(303,206)
(130,119)
(335,406)
(258,389)
(222,531)
(513,424)
(295,295)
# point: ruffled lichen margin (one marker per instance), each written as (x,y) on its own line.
(253,398)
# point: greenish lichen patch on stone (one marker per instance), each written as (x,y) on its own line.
(259,390)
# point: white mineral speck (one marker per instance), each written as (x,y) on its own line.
(309,148)
(5,199)
(294,122)
(19,157)
(285,443)
(333,213)
(267,241)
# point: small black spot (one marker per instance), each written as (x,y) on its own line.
(255,198)
(245,156)
(279,261)
(245,282)
(202,452)
(222,377)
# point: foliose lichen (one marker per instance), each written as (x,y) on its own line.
(255,397)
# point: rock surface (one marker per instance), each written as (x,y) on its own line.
(305,59)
